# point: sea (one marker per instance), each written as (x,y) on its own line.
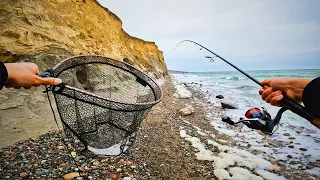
(243,93)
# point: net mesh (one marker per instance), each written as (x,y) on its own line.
(102,102)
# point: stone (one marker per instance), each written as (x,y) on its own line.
(96,163)
(74,154)
(71,175)
(186,111)
(24,174)
(291,138)
(219,97)
(315,164)
(286,134)
(291,146)
(105,172)
(275,168)
(40,173)
(303,149)
(113,176)
(289,156)
(272,144)
(129,163)
(228,120)
(227,105)
(309,167)
(272,160)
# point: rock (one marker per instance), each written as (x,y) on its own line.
(272,160)
(272,144)
(118,169)
(96,163)
(129,163)
(266,145)
(186,111)
(286,134)
(309,167)
(113,176)
(71,175)
(228,120)
(289,156)
(226,105)
(275,168)
(74,154)
(105,172)
(291,138)
(127,178)
(24,174)
(303,149)
(291,146)
(40,173)
(315,164)
(219,97)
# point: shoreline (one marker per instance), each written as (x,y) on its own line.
(159,151)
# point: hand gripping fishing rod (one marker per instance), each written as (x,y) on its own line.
(286,102)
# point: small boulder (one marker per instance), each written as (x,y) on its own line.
(113,176)
(24,174)
(227,105)
(303,149)
(186,111)
(71,175)
(220,97)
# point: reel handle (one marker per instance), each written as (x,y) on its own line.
(298,109)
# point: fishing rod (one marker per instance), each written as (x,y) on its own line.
(264,121)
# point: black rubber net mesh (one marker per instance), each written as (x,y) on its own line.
(102,102)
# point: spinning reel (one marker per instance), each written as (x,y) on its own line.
(260,120)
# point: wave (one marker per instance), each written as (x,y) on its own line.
(246,87)
(235,78)
(231,78)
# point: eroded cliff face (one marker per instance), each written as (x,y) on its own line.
(46,32)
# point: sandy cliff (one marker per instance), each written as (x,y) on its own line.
(48,31)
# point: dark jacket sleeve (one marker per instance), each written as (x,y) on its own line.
(311,97)
(3,75)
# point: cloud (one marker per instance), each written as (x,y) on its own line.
(242,31)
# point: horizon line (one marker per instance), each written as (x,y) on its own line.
(245,70)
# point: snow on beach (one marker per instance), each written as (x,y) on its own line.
(295,144)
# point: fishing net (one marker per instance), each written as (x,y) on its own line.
(102,102)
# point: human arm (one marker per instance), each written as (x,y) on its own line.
(291,87)
(298,89)
(26,75)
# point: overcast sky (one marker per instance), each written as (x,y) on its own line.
(252,34)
